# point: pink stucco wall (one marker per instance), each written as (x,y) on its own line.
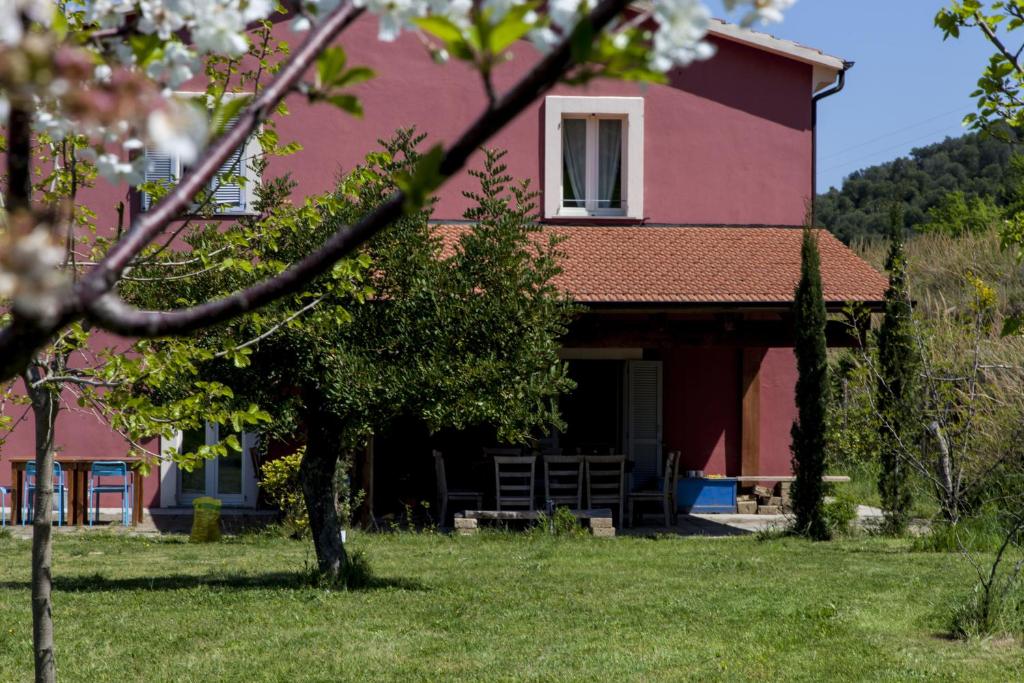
(778,409)
(79,433)
(702,408)
(726,142)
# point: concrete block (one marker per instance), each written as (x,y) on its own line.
(603,531)
(769,510)
(600,522)
(746,507)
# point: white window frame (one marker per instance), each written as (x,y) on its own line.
(249,151)
(171,493)
(630,110)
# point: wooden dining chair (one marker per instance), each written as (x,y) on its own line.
(666,494)
(446,495)
(606,480)
(513,481)
(503,451)
(563,480)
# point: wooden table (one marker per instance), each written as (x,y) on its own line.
(76,478)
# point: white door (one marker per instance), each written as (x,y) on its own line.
(229,478)
(643,421)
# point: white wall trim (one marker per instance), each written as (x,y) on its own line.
(631,110)
(169,471)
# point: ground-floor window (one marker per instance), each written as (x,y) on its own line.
(231,479)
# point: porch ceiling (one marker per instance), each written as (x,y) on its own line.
(700,265)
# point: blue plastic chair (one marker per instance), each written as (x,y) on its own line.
(112,469)
(59,489)
(3,506)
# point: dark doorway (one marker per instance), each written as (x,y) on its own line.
(593,411)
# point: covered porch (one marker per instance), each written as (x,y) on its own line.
(685,345)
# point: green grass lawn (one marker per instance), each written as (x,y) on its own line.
(499,607)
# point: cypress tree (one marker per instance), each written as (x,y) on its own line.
(897,386)
(808,431)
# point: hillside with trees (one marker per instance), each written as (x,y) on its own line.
(960,185)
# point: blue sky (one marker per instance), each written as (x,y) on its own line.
(908,88)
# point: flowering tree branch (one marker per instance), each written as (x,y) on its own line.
(27,333)
(154,221)
(112,313)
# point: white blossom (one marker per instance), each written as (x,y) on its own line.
(679,40)
(40,11)
(30,274)
(54,125)
(178,129)
(764,11)
(160,19)
(113,167)
(175,66)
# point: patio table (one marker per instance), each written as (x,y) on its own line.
(77,479)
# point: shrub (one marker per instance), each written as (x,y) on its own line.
(283,488)
(840,512)
(981,613)
(561,523)
(981,532)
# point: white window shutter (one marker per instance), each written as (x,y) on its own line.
(160,168)
(643,425)
(229,197)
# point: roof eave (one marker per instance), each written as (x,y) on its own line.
(832,306)
(826,67)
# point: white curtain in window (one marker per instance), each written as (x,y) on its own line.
(609,150)
(574,160)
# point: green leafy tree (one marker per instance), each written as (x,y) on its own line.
(957,215)
(899,399)
(975,165)
(456,333)
(812,390)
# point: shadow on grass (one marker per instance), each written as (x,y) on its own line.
(687,525)
(97,583)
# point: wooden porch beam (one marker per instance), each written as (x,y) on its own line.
(750,411)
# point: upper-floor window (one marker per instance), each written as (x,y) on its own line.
(593,163)
(229,191)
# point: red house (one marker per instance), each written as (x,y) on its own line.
(681,204)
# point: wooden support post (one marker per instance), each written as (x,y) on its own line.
(750,411)
(364,516)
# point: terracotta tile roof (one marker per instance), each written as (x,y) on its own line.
(642,264)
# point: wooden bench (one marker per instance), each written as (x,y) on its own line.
(599,520)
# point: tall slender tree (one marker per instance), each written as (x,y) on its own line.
(897,387)
(808,446)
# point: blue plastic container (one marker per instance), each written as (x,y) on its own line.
(704,495)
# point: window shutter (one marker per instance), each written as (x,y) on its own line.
(160,168)
(644,421)
(230,197)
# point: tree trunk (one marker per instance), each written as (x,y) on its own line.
(44,410)
(323,448)
(949,493)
